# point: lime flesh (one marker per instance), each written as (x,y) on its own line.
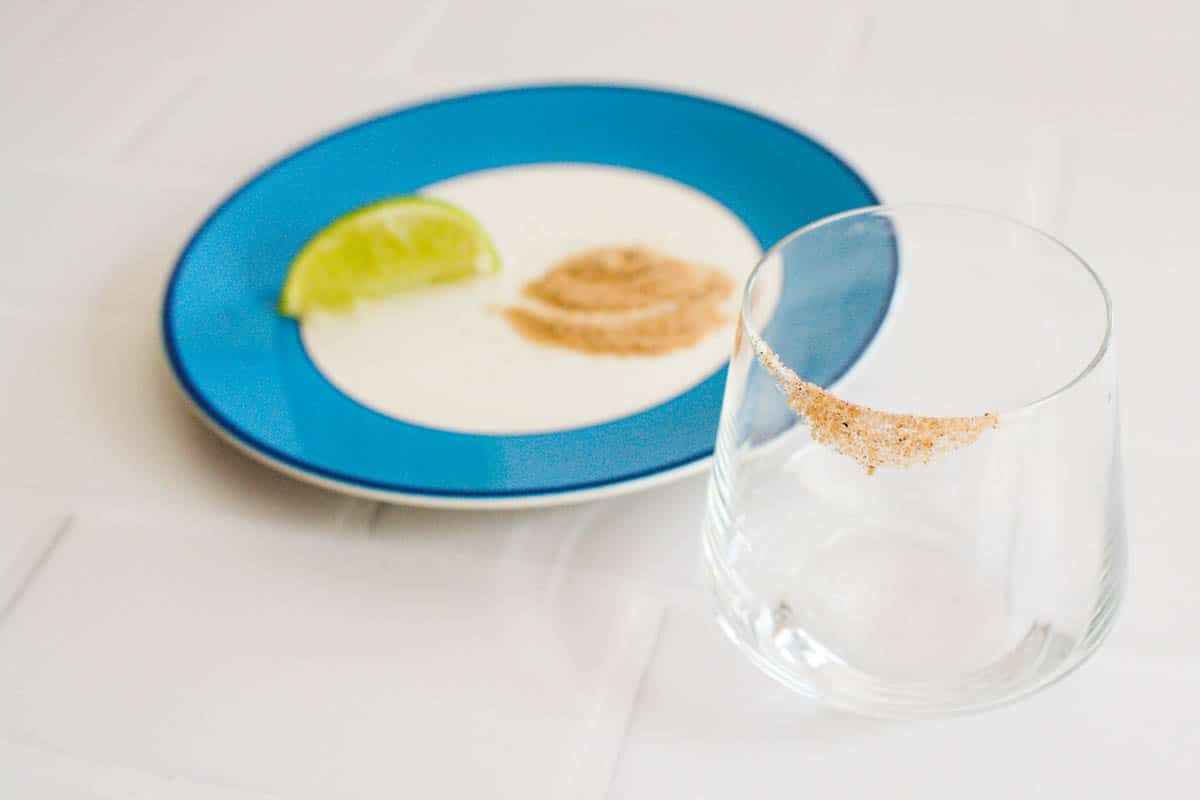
(388,247)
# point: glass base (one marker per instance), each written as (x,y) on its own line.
(960,656)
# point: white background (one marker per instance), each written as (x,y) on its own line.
(177,622)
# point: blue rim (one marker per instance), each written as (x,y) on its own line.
(255,443)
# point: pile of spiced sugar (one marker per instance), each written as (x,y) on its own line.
(623,300)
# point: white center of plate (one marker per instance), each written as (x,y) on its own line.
(444,358)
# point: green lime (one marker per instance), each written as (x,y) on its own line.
(384,248)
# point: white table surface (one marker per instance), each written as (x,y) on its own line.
(178,622)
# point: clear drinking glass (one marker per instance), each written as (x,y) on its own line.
(909,567)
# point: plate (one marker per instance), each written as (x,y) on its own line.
(430,398)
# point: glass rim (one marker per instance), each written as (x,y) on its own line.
(1088,368)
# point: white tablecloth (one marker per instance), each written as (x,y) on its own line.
(178,622)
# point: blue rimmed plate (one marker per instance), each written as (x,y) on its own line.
(429,398)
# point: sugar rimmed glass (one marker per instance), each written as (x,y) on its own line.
(922,589)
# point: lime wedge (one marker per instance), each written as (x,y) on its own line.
(384,248)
